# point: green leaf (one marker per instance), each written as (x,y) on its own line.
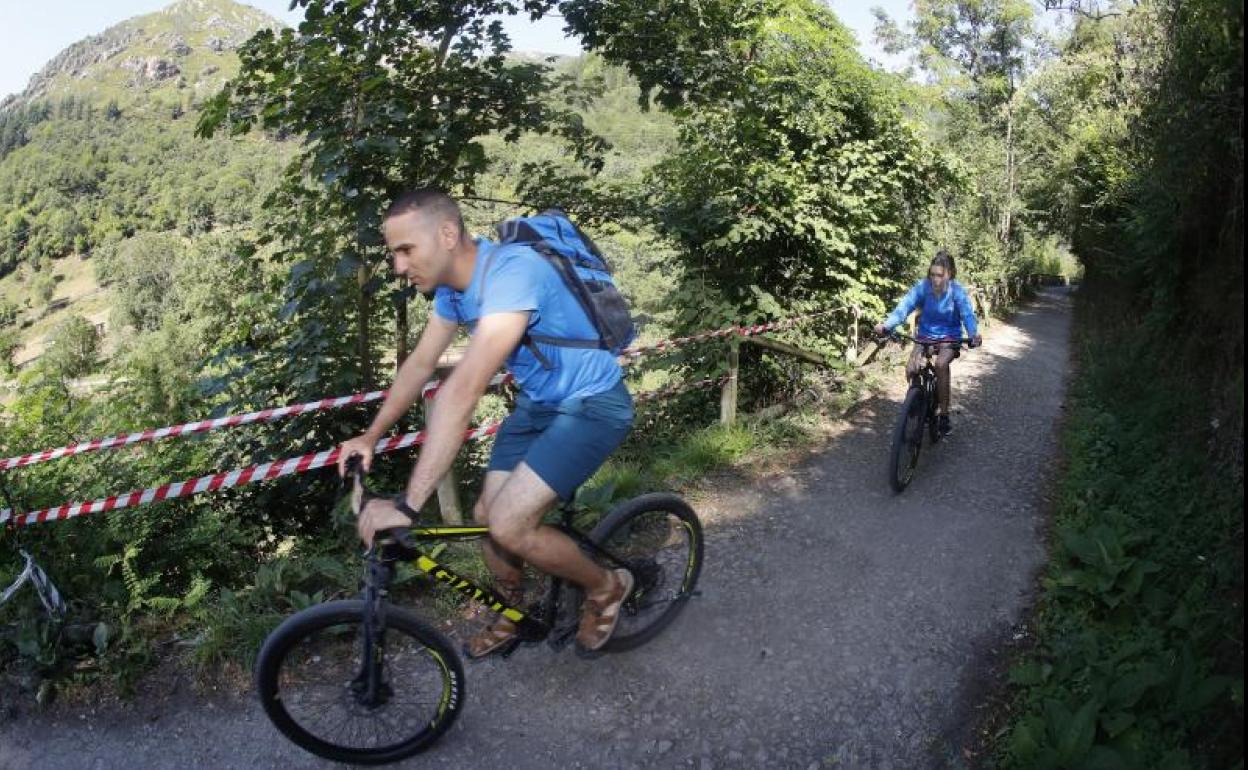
(1077,735)
(1205,693)
(1117,722)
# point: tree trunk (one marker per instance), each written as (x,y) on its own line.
(400,323)
(361,324)
(1007,210)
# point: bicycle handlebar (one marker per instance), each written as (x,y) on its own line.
(897,336)
(383,537)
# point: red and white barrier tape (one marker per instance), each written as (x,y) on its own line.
(730,331)
(203,426)
(200,426)
(266,471)
(225,480)
(429,391)
(683,387)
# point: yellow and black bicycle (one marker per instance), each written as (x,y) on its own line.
(367,682)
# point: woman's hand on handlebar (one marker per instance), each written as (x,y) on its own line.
(881,330)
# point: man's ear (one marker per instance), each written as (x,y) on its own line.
(448,233)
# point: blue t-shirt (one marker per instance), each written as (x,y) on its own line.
(938,316)
(520,279)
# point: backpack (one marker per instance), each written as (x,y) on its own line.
(572,254)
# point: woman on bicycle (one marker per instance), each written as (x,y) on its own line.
(944,309)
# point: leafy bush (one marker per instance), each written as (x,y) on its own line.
(1139,657)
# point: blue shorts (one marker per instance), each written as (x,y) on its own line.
(564,442)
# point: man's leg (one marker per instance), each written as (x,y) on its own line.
(507,568)
(508,571)
(515,516)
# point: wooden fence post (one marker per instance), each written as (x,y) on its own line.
(852,355)
(728,398)
(448,494)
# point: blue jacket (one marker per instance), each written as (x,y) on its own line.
(938,316)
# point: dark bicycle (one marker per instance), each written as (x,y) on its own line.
(918,411)
(367,682)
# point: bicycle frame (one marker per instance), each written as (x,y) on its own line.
(399,547)
(920,406)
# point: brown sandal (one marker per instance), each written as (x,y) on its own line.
(598,621)
(498,635)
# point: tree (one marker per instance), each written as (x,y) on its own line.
(802,183)
(9,343)
(423,83)
(74,349)
(975,53)
(43,285)
(142,270)
(8,313)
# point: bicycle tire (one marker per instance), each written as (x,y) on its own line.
(285,639)
(654,558)
(933,420)
(907,440)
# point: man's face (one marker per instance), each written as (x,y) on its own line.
(936,274)
(420,245)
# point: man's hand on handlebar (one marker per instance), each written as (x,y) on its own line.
(881,331)
(378,514)
(361,447)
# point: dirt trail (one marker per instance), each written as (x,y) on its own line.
(839,626)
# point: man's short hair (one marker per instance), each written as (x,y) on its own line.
(430,201)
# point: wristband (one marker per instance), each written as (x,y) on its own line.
(400,502)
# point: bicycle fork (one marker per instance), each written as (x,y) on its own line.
(369,686)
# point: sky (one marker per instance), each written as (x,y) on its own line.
(31,33)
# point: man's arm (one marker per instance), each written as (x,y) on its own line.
(413,373)
(496,336)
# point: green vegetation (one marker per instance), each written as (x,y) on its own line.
(1139,654)
(1139,658)
(738,161)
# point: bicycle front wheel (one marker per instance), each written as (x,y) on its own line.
(315,685)
(659,538)
(907,440)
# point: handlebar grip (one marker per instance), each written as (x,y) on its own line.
(397,543)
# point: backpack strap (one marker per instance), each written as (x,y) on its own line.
(566,342)
(528,340)
(577,289)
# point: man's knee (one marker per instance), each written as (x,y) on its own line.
(510,532)
(480,515)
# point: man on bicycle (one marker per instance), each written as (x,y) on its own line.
(573,410)
(944,309)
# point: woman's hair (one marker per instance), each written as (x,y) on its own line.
(945,260)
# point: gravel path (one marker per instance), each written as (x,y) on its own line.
(839,626)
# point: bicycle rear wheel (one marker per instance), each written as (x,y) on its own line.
(907,440)
(659,538)
(311,680)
